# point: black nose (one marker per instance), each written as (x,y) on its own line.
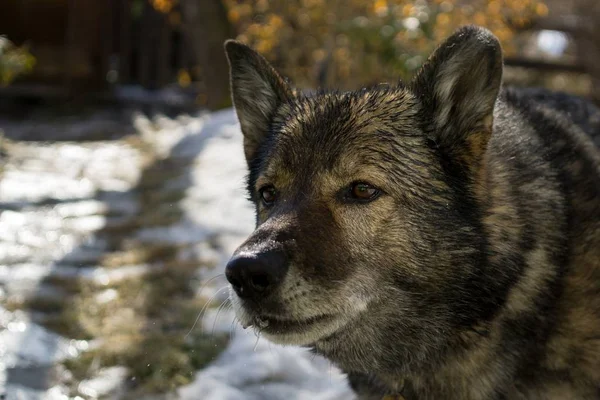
(256,275)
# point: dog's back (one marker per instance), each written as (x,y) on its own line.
(569,129)
(576,110)
(541,211)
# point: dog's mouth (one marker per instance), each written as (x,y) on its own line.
(280,325)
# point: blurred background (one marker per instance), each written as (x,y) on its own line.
(60,48)
(121,174)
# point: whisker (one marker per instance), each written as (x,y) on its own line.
(205,284)
(221,307)
(232,328)
(204,308)
(257,339)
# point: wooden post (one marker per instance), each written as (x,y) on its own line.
(163,75)
(107,27)
(144,38)
(587,38)
(206,27)
(70,43)
(125,41)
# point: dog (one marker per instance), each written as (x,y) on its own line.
(435,240)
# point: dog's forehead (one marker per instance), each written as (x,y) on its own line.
(325,128)
(324,143)
(328,113)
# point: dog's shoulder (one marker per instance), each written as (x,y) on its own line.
(563,132)
(572,110)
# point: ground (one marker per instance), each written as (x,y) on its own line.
(114,233)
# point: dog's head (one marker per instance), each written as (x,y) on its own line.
(366,224)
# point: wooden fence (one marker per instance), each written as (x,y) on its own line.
(89,45)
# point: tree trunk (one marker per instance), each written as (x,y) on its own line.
(207,27)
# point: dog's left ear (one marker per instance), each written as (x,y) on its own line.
(257,91)
(458,87)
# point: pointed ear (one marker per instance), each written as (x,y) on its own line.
(257,91)
(458,87)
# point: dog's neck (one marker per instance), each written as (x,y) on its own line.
(441,372)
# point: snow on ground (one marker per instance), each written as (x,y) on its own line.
(251,368)
(255,369)
(215,209)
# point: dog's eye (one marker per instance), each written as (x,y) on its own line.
(363,191)
(268,195)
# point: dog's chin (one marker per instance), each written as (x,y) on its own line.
(300,332)
(296,331)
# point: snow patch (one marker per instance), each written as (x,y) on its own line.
(252,368)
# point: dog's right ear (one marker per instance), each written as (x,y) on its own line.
(257,91)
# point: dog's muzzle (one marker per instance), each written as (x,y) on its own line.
(254,276)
